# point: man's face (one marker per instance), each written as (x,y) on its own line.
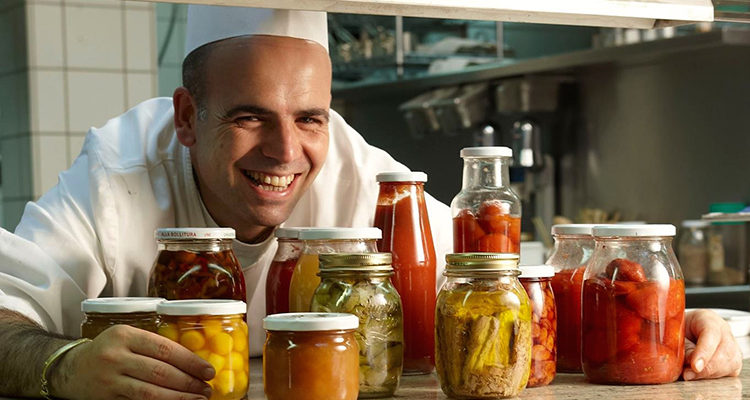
(263,135)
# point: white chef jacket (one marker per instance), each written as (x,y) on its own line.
(92,234)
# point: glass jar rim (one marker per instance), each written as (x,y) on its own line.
(401,176)
(177,234)
(310,321)
(335,233)
(117,305)
(201,307)
(486,152)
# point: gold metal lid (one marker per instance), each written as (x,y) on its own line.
(481,262)
(355,262)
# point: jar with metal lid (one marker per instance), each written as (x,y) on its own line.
(482,327)
(105,312)
(486,212)
(282,267)
(196,263)
(536,280)
(360,284)
(633,323)
(312,356)
(573,248)
(692,251)
(216,331)
(323,241)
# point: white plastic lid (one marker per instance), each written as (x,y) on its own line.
(573,229)
(635,230)
(194,233)
(695,223)
(202,307)
(340,233)
(117,305)
(310,321)
(537,271)
(416,176)
(486,151)
(288,233)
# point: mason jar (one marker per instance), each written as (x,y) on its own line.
(282,267)
(536,280)
(105,312)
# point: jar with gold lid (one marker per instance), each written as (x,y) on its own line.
(105,312)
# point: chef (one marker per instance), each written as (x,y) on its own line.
(248,142)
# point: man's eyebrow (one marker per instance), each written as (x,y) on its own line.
(314,112)
(246,108)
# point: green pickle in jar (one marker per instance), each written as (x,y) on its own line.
(482,327)
(360,284)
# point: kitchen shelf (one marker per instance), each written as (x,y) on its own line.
(627,54)
(608,13)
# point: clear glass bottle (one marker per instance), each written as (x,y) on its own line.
(322,241)
(482,327)
(486,212)
(196,263)
(312,356)
(536,280)
(692,251)
(360,284)
(633,324)
(282,267)
(573,248)
(401,214)
(105,312)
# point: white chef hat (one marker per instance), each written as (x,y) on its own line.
(206,24)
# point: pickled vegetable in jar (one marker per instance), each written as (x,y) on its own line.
(105,312)
(196,263)
(633,322)
(573,248)
(482,327)
(215,330)
(311,356)
(536,280)
(322,241)
(359,284)
(281,269)
(486,212)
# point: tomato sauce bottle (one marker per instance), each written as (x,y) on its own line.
(633,325)
(486,212)
(401,213)
(282,267)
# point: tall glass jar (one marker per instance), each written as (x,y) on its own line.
(282,267)
(311,356)
(401,214)
(360,284)
(196,263)
(486,212)
(482,327)
(633,322)
(692,251)
(322,241)
(573,248)
(105,312)
(536,280)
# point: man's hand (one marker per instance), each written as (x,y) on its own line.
(710,351)
(128,363)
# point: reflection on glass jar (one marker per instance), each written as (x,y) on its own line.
(105,312)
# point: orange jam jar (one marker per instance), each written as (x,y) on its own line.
(216,331)
(102,313)
(312,356)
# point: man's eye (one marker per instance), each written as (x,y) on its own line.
(248,118)
(309,120)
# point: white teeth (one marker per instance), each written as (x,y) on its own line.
(266,179)
(271,182)
(275,181)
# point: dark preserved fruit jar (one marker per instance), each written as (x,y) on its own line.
(105,312)
(281,270)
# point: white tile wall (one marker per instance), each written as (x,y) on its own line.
(50,158)
(140,41)
(94,37)
(16,171)
(138,4)
(14,104)
(93,98)
(48,101)
(141,86)
(94,3)
(75,143)
(45,35)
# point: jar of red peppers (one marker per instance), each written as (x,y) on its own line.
(573,247)
(633,322)
(486,212)
(401,214)
(281,269)
(196,263)
(536,280)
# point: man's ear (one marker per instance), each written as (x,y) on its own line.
(185,110)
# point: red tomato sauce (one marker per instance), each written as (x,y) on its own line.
(567,286)
(277,286)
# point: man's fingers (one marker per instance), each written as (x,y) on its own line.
(158,347)
(138,390)
(727,361)
(162,374)
(707,327)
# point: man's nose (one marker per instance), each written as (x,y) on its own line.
(282,142)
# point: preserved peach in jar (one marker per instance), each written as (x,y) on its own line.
(105,312)
(536,280)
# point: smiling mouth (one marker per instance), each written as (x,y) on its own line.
(272,183)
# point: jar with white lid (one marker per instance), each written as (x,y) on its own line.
(322,241)
(216,331)
(312,356)
(105,312)
(692,251)
(282,267)
(536,280)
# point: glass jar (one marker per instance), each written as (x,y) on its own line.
(216,331)
(692,251)
(401,214)
(311,356)
(102,313)
(573,248)
(360,284)
(196,263)
(633,323)
(727,248)
(482,327)
(536,280)
(282,267)
(322,241)
(486,212)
